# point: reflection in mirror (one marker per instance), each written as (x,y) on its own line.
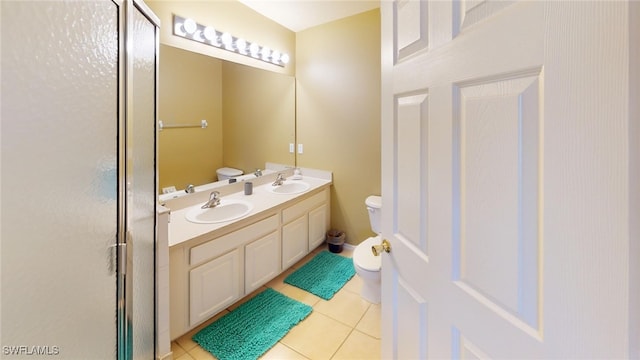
(250,115)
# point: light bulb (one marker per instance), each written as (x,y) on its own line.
(210,33)
(266,52)
(254,49)
(190,26)
(227,40)
(198,36)
(275,56)
(284,58)
(241,45)
(177,29)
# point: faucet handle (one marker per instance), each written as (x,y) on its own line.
(214,200)
(279,180)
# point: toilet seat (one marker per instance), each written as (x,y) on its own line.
(363,256)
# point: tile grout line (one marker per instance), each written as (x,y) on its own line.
(342,343)
(293,268)
(292,349)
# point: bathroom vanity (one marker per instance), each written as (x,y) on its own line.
(213,265)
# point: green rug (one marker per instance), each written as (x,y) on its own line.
(324,275)
(253,328)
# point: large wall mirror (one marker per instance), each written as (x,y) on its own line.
(250,114)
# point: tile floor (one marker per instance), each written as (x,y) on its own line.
(345,327)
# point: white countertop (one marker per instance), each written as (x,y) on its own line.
(182,230)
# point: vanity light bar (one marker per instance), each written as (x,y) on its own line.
(189,29)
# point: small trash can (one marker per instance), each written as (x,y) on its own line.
(335,240)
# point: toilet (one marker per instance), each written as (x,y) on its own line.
(366,264)
(226,173)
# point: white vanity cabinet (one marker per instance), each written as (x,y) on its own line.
(208,277)
(304,227)
(210,272)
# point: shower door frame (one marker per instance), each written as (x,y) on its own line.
(124,247)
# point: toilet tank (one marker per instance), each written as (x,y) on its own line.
(374,206)
(227,173)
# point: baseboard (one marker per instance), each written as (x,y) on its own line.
(348,246)
(168,356)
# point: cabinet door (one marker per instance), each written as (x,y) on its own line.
(213,286)
(262,261)
(294,241)
(318,226)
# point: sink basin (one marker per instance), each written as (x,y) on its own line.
(289,187)
(229,209)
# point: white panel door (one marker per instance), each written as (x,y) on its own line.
(505,169)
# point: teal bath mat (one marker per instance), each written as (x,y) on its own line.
(253,328)
(324,275)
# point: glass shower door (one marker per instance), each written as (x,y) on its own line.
(141,180)
(58,166)
(77,173)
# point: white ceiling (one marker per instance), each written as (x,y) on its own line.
(297,15)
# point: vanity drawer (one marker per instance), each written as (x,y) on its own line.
(303,207)
(230,241)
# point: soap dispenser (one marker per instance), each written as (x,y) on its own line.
(297,175)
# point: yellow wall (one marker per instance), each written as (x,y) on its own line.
(259,117)
(337,69)
(189,155)
(338,113)
(251,116)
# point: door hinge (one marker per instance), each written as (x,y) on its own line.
(117,251)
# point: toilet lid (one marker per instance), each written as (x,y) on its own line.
(227,171)
(374,201)
(363,256)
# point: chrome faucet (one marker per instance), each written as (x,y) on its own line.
(258,173)
(279,180)
(214,200)
(190,189)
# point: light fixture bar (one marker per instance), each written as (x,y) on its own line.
(189,29)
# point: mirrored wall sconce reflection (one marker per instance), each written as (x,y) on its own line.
(189,29)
